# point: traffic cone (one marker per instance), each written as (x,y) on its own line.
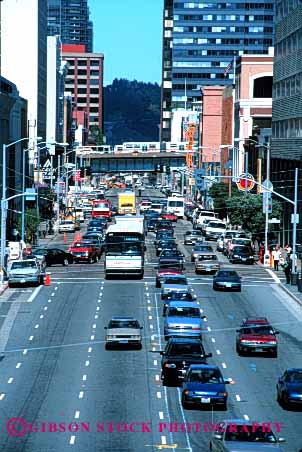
(47,281)
(65,237)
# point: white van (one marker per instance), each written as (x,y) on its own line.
(214,229)
(176,205)
(204,216)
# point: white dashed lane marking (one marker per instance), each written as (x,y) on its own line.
(10,380)
(81,394)
(18,365)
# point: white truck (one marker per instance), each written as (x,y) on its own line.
(176,205)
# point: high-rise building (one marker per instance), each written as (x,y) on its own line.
(84,81)
(70,20)
(200,41)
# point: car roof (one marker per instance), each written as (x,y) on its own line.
(183,304)
(185,340)
(123,318)
(255,321)
(204,366)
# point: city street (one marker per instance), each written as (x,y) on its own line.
(55,369)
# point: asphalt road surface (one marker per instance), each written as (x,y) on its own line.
(56,374)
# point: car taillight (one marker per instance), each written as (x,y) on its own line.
(195,329)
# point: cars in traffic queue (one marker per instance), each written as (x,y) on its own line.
(184,295)
(170,262)
(214,229)
(123,330)
(66,226)
(234,435)
(206,263)
(96,243)
(162,273)
(156,207)
(151,224)
(189,209)
(289,388)
(166,234)
(95,237)
(179,354)
(228,236)
(220,242)
(168,252)
(163,225)
(144,205)
(204,386)
(242,254)
(165,244)
(199,249)
(256,335)
(84,251)
(182,319)
(235,242)
(52,256)
(205,215)
(27,271)
(191,237)
(226,279)
(169,216)
(174,283)
(176,205)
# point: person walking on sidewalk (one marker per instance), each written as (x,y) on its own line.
(287,269)
(276,258)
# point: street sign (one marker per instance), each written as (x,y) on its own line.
(267,202)
(268,186)
(30,196)
(241,183)
(293,218)
(274,221)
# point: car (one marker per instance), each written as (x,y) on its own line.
(169,216)
(123,331)
(226,279)
(214,229)
(183,319)
(184,295)
(173,283)
(156,207)
(200,249)
(166,234)
(52,256)
(163,273)
(144,206)
(172,253)
(256,335)
(237,241)
(151,224)
(26,271)
(96,243)
(289,388)
(84,251)
(165,245)
(66,226)
(204,386)
(229,234)
(232,435)
(179,355)
(163,225)
(206,263)
(220,243)
(241,254)
(190,237)
(171,262)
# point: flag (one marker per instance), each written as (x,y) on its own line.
(228,68)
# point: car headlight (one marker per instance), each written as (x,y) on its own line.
(170,366)
(235,255)
(136,336)
(110,336)
(271,343)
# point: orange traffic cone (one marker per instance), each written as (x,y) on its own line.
(65,237)
(47,280)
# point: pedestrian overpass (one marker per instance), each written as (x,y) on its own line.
(130,162)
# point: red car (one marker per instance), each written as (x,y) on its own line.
(84,252)
(256,335)
(163,273)
(169,216)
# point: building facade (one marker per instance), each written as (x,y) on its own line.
(84,81)
(70,20)
(200,41)
(24,56)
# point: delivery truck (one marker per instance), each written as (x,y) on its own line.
(126,203)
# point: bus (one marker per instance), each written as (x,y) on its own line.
(176,204)
(125,247)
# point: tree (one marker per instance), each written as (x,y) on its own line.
(31,224)
(219,193)
(96,135)
(246,210)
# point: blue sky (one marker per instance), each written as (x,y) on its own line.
(129,33)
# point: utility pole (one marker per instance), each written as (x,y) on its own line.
(267,194)
(295,224)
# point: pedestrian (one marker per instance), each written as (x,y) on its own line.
(276,258)
(287,269)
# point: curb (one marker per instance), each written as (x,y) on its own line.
(3,288)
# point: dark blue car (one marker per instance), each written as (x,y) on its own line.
(289,388)
(204,386)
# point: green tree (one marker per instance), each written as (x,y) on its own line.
(95,133)
(31,223)
(219,193)
(246,210)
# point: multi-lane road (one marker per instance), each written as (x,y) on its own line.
(56,374)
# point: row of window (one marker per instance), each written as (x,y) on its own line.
(227,18)
(205,76)
(223,6)
(226,29)
(288,128)
(226,41)
(84,62)
(83,82)
(200,63)
(223,52)
(288,87)
(290,44)
(285,6)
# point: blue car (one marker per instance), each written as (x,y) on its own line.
(289,388)
(204,386)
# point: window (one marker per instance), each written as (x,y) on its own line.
(263,87)
(82,63)
(94,72)
(93,81)
(94,62)
(94,90)
(82,72)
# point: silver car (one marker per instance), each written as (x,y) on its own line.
(123,331)
(237,435)
(207,263)
(200,249)
(25,272)
(173,284)
(183,319)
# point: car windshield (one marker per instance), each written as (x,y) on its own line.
(123,324)
(294,377)
(207,376)
(209,257)
(257,329)
(23,264)
(186,349)
(175,280)
(249,433)
(203,248)
(240,241)
(183,312)
(213,224)
(227,274)
(171,252)
(66,222)
(40,252)
(241,250)
(180,296)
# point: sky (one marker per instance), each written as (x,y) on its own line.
(129,33)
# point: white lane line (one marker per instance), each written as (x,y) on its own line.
(224,365)
(36,326)
(84,377)
(18,365)
(238,398)
(53,294)
(158,395)
(153,349)
(273,275)
(246,417)
(218,352)
(31,338)
(148,301)
(92,337)
(41,316)
(163,440)
(94,326)
(149,308)
(201,310)
(45,308)
(34,294)
(89,349)
(153,337)
(72,440)
(209,328)
(81,394)
(2,396)
(205,319)
(184,420)
(213,339)
(155,362)
(87,363)
(49,301)
(161,415)
(150,317)
(56,288)
(99,301)
(10,380)
(25,351)
(96,317)
(77,415)
(157,377)
(98,308)
(151,327)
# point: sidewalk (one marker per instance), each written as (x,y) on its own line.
(291,290)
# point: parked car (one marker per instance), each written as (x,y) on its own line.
(52,256)
(256,335)
(206,263)
(289,388)
(26,271)
(226,279)
(183,319)
(123,331)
